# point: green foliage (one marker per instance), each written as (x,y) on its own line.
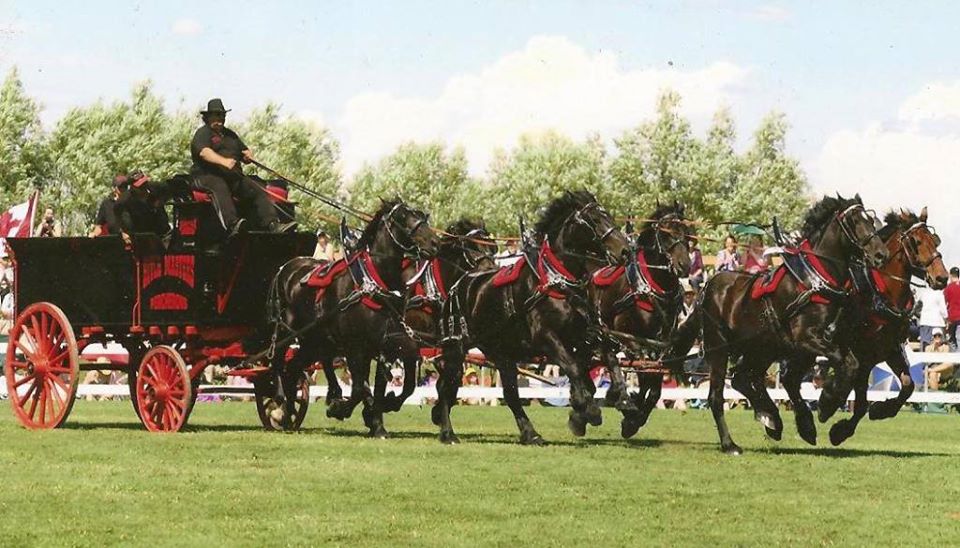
(539,169)
(300,150)
(92,144)
(23,151)
(427,175)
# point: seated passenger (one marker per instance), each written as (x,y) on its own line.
(106,223)
(140,207)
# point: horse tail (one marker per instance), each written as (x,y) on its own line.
(683,337)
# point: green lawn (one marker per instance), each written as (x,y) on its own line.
(103,480)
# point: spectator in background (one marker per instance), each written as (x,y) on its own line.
(670,382)
(728,259)
(6,268)
(933,314)
(696,266)
(6,307)
(755,261)
(951,294)
(935,371)
(324,250)
(509,255)
(49,227)
(471,378)
(689,300)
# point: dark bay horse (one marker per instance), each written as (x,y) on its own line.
(536,307)
(643,299)
(762,319)
(464,247)
(876,323)
(353,308)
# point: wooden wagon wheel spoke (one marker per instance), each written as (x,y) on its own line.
(55,390)
(16,364)
(59,358)
(23,381)
(43,404)
(30,391)
(29,354)
(37,334)
(163,390)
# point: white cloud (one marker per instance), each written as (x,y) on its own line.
(894,168)
(770,13)
(187,27)
(552,83)
(936,101)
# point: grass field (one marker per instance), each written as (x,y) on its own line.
(102,480)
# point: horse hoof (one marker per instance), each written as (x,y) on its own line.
(594,416)
(826,412)
(379,433)
(577,427)
(808,434)
(334,413)
(840,432)
(629,427)
(733,449)
(392,403)
(878,411)
(773,433)
(436,416)
(533,439)
(449,438)
(276,415)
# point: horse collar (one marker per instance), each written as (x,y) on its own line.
(553,277)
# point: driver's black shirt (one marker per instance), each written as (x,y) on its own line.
(106,216)
(227,144)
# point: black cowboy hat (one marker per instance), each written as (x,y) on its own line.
(214,106)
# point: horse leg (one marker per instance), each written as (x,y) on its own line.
(584,409)
(745,381)
(766,409)
(448,384)
(334,392)
(717,361)
(359,365)
(511,395)
(379,390)
(651,386)
(806,426)
(897,361)
(835,394)
(845,428)
(393,402)
(618,397)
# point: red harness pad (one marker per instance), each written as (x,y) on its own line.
(509,274)
(323,276)
(607,275)
(765,285)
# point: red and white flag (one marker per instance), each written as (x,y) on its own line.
(17,221)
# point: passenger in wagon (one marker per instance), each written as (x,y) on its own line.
(217,152)
(106,223)
(140,207)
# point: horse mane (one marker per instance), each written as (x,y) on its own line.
(894,221)
(822,212)
(554,214)
(370,231)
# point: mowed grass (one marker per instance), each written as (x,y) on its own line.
(102,480)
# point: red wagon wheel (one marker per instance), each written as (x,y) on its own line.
(264,391)
(163,390)
(42,367)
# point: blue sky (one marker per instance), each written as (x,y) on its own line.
(872,89)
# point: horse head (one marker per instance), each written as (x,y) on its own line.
(667,233)
(470,243)
(577,225)
(403,228)
(920,243)
(845,223)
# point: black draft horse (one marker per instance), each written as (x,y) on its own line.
(643,299)
(537,307)
(876,324)
(356,310)
(464,247)
(794,316)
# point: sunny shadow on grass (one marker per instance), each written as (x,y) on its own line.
(103,480)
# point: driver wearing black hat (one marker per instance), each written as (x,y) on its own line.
(217,152)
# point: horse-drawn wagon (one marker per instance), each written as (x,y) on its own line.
(176,304)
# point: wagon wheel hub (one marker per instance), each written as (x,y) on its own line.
(163,392)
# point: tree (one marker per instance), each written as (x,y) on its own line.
(427,175)
(771,183)
(90,145)
(23,153)
(539,169)
(298,149)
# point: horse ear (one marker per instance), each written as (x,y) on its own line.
(857,198)
(923,214)
(628,228)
